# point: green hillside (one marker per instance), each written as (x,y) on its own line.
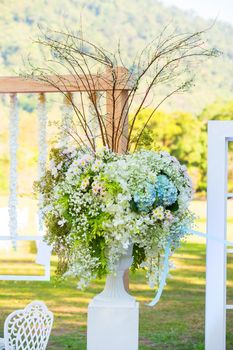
(133,22)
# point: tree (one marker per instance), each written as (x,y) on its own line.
(219,110)
(178,133)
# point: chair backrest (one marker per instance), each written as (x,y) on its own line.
(28,329)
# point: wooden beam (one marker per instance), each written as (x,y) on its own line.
(64,83)
(117,120)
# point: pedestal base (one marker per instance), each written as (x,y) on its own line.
(112,327)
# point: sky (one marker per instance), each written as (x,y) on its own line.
(220,9)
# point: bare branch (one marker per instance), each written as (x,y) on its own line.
(164,61)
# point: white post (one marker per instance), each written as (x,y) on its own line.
(113,315)
(219,133)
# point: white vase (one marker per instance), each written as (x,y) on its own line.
(114,292)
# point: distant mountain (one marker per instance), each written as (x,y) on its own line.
(133,22)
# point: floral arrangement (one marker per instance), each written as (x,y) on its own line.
(97,205)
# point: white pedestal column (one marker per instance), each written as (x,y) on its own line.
(113,315)
(112,327)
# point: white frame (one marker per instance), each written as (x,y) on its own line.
(45,277)
(219,133)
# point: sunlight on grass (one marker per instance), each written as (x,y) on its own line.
(177,322)
(19,264)
(184,292)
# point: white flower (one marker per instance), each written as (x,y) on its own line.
(97,188)
(62,222)
(125,245)
(165,154)
(158,213)
(85,183)
(53,168)
(85,160)
(47,208)
(97,165)
(59,166)
(168,215)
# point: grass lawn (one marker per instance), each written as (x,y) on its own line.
(177,323)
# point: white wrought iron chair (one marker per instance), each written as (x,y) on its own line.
(28,329)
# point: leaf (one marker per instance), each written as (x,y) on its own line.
(174,207)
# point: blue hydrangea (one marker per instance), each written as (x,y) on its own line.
(166,191)
(145,199)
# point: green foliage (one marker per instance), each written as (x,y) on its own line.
(98,247)
(112,187)
(174,207)
(178,133)
(219,110)
(96,225)
(139,256)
